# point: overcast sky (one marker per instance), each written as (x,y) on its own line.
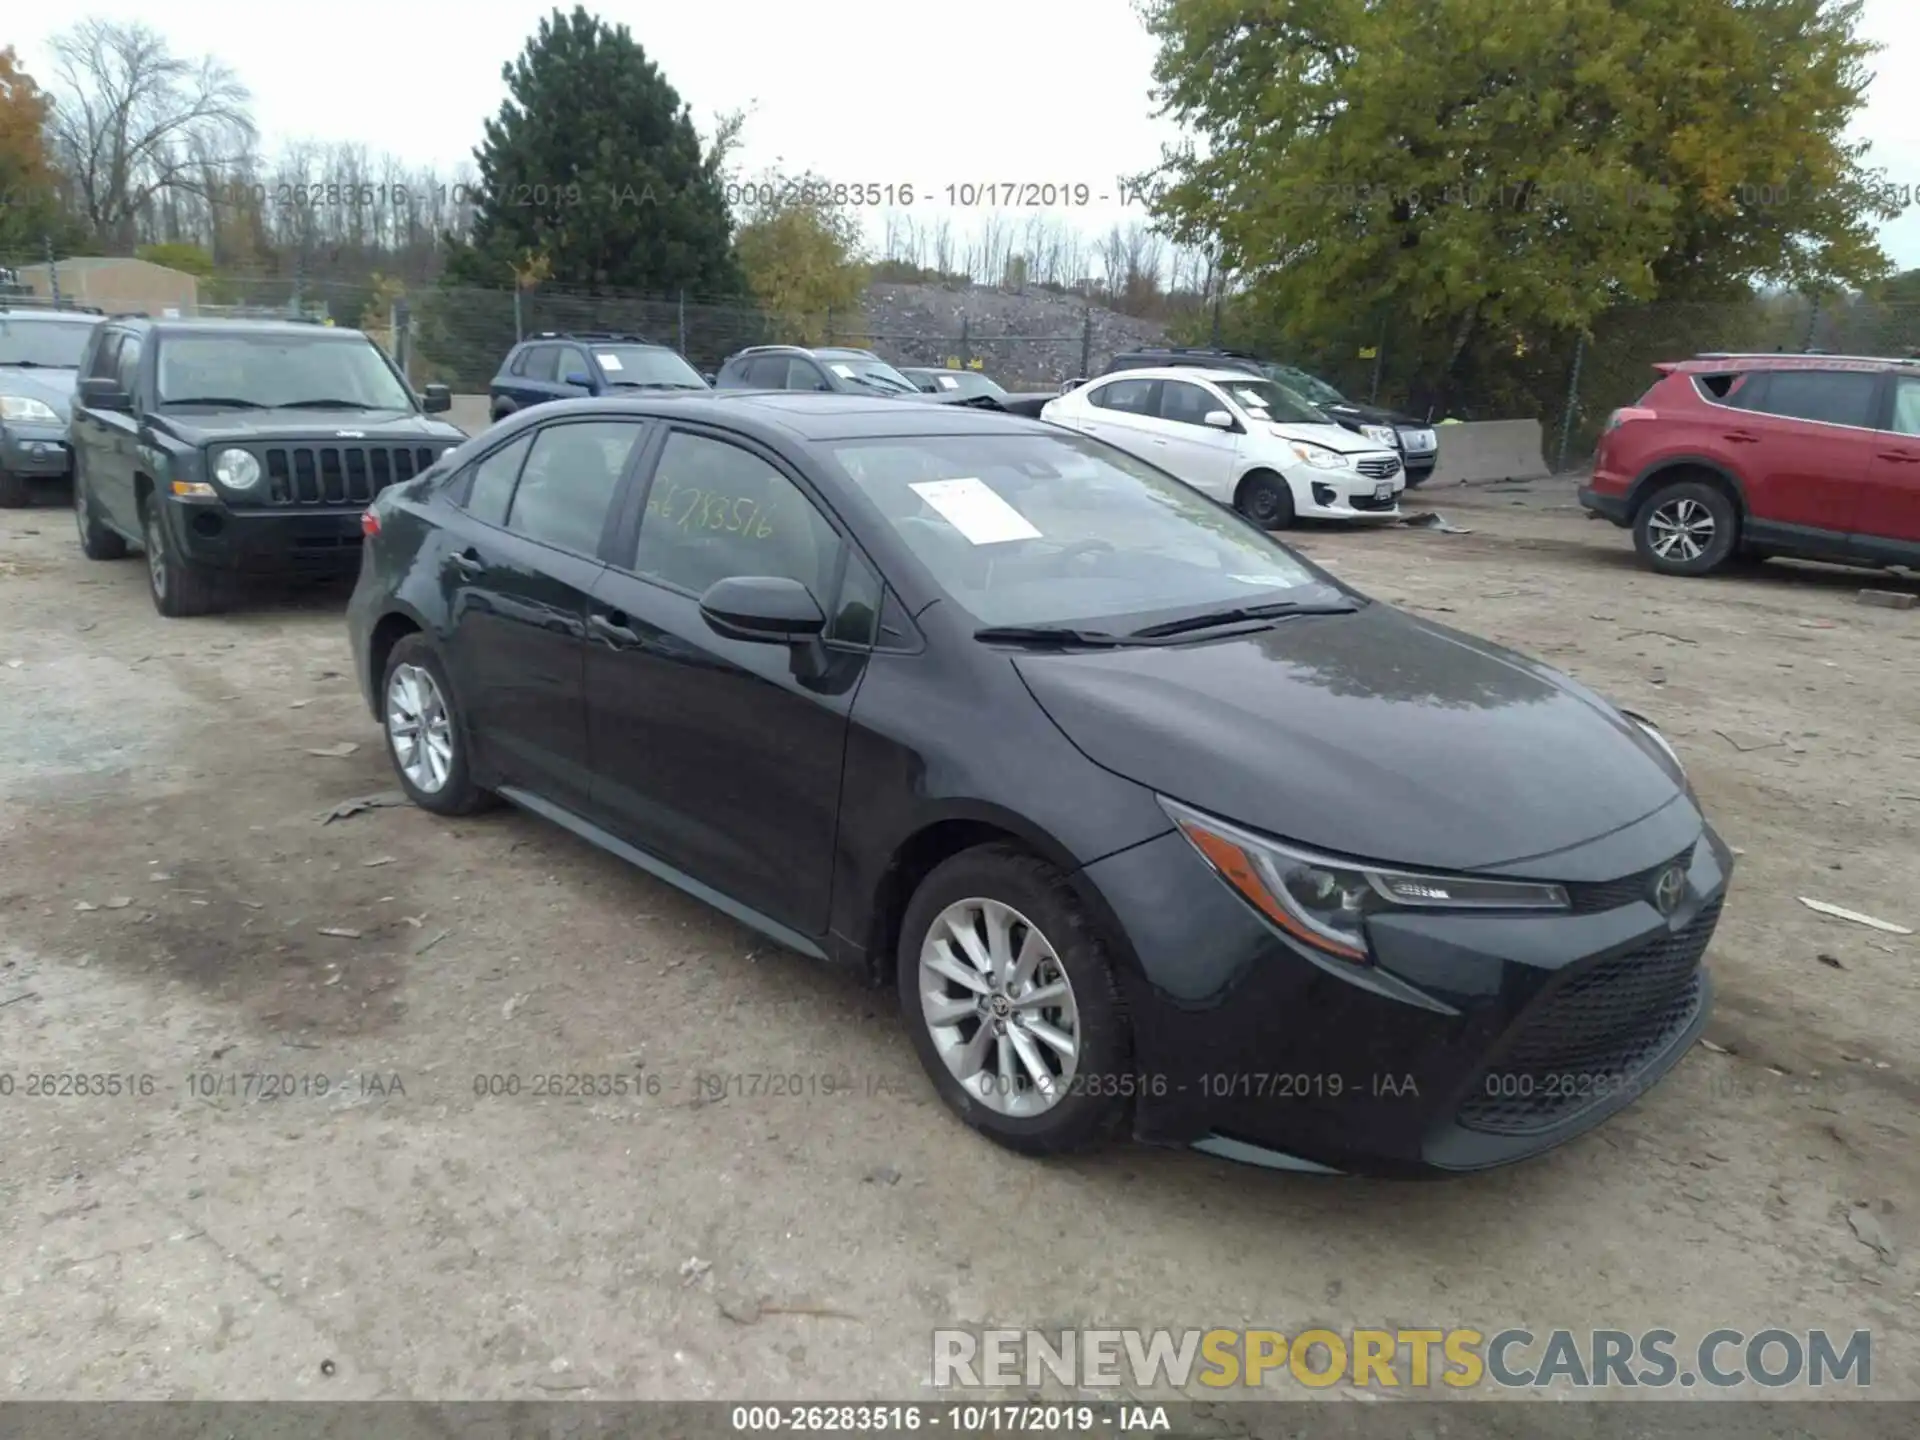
(861,91)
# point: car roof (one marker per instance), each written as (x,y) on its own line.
(35,312)
(219,326)
(808,415)
(1719,363)
(1173,372)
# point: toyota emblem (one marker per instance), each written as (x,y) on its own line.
(1668,889)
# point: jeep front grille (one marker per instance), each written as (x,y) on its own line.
(339,474)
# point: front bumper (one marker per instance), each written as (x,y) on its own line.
(1471,1041)
(37,452)
(321,540)
(1607,507)
(1321,495)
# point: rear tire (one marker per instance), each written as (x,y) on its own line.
(179,587)
(1686,528)
(97,542)
(993,1026)
(425,731)
(1267,500)
(14,494)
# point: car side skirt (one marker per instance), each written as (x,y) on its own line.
(679,879)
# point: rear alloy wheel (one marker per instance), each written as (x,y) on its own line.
(1266,500)
(425,737)
(1686,529)
(1012,1003)
(96,541)
(179,587)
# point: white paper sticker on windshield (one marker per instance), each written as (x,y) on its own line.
(1267,580)
(947,382)
(976,510)
(845,372)
(607,362)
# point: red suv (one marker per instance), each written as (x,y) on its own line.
(1745,456)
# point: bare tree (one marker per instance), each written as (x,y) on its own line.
(133,123)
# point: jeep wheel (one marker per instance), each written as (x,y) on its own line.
(96,541)
(14,494)
(1687,528)
(179,587)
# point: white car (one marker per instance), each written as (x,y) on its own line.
(1241,439)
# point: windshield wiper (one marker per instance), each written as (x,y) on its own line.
(1240,615)
(331,405)
(231,402)
(1053,635)
(655,385)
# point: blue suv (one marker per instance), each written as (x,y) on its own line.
(556,366)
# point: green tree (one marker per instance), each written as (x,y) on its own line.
(802,259)
(28,205)
(593,162)
(1487,179)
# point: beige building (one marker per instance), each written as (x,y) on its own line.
(117,284)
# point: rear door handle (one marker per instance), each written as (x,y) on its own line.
(1743,437)
(468,562)
(1900,456)
(612,627)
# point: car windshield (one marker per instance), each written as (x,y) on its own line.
(271,370)
(1267,400)
(646,365)
(54,344)
(965,382)
(1051,530)
(866,370)
(1312,387)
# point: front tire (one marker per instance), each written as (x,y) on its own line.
(178,586)
(14,494)
(1267,500)
(1687,528)
(426,734)
(1013,1005)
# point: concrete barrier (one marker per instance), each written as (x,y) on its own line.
(1477,452)
(469,412)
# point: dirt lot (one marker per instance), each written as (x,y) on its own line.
(166,882)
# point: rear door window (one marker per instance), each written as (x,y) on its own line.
(568,482)
(1832,397)
(1130,397)
(539,363)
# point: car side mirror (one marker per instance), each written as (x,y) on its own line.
(583,381)
(710,377)
(435,398)
(100,393)
(1073,384)
(770,609)
(1219,419)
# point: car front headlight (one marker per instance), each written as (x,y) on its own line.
(1382,435)
(1652,732)
(1317,456)
(24,410)
(236,469)
(1324,902)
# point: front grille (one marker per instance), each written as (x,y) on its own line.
(1612,894)
(1589,1040)
(1383,468)
(339,474)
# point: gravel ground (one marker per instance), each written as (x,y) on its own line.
(166,889)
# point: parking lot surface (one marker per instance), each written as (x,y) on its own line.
(330,1165)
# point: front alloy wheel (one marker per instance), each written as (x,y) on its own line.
(999,1007)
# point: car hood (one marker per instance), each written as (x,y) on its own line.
(1332,437)
(50,387)
(1372,415)
(1374,735)
(208,427)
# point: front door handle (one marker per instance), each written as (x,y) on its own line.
(612,627)
(1743,437)
(468,562)
(1902,457)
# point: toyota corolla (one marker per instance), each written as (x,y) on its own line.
(1157,827)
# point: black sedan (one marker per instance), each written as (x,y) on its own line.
(1157,826)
